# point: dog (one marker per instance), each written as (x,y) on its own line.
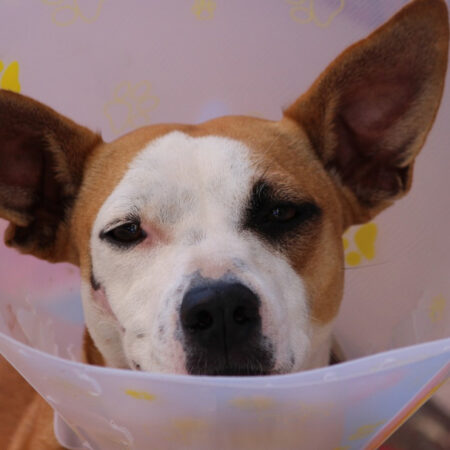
(216,249)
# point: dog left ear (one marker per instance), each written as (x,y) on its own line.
(42,159)
(368,114)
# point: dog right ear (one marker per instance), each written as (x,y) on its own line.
(42,159)
(368,114)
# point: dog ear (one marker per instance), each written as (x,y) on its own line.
(42,157)
(369,112)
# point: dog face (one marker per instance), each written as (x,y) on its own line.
(217,244)
(216,248)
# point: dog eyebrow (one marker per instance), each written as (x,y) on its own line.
(264,192)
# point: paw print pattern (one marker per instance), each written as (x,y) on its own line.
(305,11)
(204,9)
(130,106)
(9,78)
(67,12)
(364,240)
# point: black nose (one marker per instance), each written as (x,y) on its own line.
(220,320)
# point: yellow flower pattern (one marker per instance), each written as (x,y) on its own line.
(9,77)
(305,11)
(204,9)
(363,239)
(130,106)
(67,12)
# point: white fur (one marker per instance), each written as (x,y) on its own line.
(194,191)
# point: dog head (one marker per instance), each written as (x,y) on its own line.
(216,248)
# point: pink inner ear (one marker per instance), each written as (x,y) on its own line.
(370,110)
(20,163)
(370,146)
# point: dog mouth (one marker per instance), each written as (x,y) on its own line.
(233,371)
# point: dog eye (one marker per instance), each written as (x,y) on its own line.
(282,213)
(284,217)
(275,215)
(127,232)
(125,235)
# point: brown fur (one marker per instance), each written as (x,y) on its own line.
(349,144)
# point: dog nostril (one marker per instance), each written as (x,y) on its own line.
(203,321)
(220,311)
(240,315)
